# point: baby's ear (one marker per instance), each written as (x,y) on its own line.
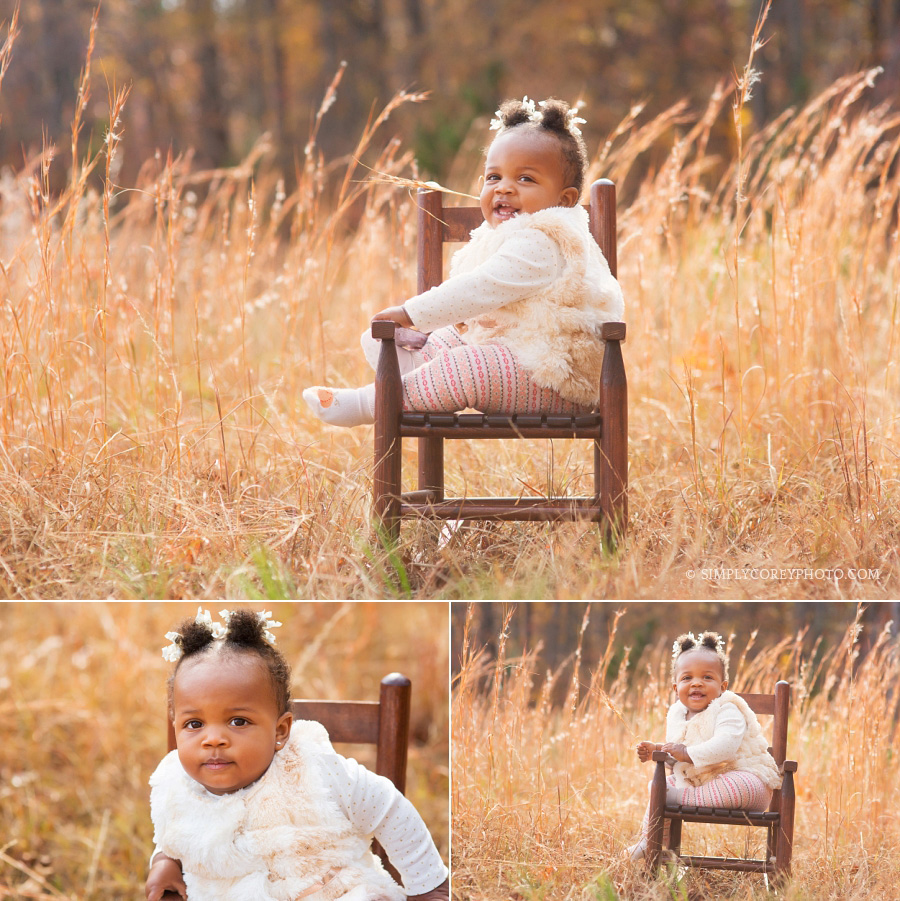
(283,730)
(569,197)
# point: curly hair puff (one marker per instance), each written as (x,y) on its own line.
(244,635)
(708,641)
(552,118)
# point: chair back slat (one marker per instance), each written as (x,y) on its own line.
(354,722)
(429,239)
(459,221)
(776,705)
(764,704)
(438,224)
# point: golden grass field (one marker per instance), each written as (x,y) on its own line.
(83,696)
(156,341)
(546,797)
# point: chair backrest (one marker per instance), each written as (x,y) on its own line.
(383,723)
(438,225)
(778,706)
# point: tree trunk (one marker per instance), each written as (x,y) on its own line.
(212,144)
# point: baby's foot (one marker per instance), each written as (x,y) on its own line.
(637,851)
(408,359)
(342,406)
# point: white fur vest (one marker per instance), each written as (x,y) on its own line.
(752,755)
(556,334)
(271,841)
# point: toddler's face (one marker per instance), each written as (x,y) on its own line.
(699,679)
(227,725)
(523,173)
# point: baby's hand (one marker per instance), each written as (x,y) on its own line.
(441,893)
(679,752)
(165,877)
(645,749)
(394,314)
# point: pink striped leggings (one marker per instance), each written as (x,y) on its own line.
(736,790)
(486,377)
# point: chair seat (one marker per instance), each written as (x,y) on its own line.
(693,814)
(516,425)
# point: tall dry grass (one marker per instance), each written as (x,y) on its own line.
(156,341)
(545,798)
(83,700)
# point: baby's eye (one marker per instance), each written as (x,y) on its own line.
(527,178)
(239,721)
(193,724)
(492,177)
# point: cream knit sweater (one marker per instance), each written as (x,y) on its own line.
(539,284)
(725,736)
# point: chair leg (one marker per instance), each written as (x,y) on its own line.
(675,835)
(656,815)
(784,844)
(611,457)
(388,445)
(431,467)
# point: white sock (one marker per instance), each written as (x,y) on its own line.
(637,851)
(408,359)
(342,406)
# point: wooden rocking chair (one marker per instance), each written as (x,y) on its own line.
(383,723)
(607,426)
(778,820)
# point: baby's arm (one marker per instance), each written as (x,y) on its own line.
(441,893)
(165,877)
(376,808)
(727,737)
(679,752)
(395,314)
(527,263)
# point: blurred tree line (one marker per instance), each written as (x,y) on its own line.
(556,627)
(209,76)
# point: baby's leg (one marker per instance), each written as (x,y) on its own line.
(438,341)
(356,406)
(737,790)
(485,377)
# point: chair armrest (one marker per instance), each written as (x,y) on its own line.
(383,328)
(387,374)
(790,766)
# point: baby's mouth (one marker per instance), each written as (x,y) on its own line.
(504,211)
(216,763)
